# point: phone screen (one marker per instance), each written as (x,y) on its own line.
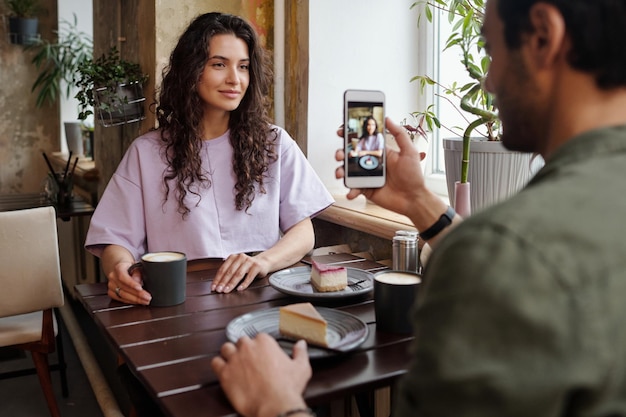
(364,138)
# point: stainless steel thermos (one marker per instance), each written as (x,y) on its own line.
(405,253)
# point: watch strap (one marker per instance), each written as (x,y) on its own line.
(444,221)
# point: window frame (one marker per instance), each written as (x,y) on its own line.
(429,47)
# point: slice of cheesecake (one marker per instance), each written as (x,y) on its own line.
(303,321)
(327,278)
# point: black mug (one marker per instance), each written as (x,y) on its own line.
(394,295)
(164,277)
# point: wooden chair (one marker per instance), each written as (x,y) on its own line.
(30,288)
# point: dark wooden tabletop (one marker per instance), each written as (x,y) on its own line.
(170,348)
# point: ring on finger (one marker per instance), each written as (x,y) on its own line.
(117,292)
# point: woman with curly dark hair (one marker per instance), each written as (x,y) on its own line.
(371,141)
(216,179)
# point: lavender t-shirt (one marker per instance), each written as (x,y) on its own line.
(132,212)
(371,143)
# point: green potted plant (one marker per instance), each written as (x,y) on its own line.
(23,21)
(472,101)
(113,87)
(59,60)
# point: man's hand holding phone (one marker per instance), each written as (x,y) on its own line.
(405,191)
(404,186)
(364,141)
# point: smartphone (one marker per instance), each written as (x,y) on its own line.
(364,138)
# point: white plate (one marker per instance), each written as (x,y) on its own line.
(368,162)
(297,281)
(344,333)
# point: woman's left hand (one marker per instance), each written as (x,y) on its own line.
(238,271)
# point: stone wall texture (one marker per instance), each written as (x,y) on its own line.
(25,130)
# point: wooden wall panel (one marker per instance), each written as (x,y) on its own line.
(125,24)
(297,70)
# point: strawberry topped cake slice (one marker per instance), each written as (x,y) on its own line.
(327,278)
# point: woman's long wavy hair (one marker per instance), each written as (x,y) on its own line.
(365,133)
(180,111)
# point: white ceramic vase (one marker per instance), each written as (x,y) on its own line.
(74,138)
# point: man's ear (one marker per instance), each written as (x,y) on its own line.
(547,42)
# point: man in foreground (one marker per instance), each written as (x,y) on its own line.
(522,311)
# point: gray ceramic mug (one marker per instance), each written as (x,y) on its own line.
(164,277)
(394,295)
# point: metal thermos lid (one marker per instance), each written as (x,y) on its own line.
(410,233)
(404,241)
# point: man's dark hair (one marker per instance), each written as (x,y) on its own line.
(597,29)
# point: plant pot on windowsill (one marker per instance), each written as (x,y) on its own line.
(495,173)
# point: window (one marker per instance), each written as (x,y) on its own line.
(356,44)
(445,67)
(375,45)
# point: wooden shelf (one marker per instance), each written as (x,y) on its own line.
(86,175)
(365,216)
(84,168)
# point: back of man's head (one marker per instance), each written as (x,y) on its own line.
(597,29)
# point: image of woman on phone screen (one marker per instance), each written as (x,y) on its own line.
(372,141)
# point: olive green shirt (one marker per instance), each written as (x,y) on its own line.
(523,311)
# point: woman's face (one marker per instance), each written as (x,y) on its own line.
(226,76)
(371,127)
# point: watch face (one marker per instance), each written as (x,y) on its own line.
(368,162)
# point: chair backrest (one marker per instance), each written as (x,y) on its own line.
(30,273)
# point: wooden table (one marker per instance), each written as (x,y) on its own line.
(170,348)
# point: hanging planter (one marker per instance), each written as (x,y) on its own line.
(119,105)
(112,89)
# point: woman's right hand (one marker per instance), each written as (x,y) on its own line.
(123,287)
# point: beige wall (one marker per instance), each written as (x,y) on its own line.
(172,18)
(25,131)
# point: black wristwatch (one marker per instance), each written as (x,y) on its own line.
(444,221)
